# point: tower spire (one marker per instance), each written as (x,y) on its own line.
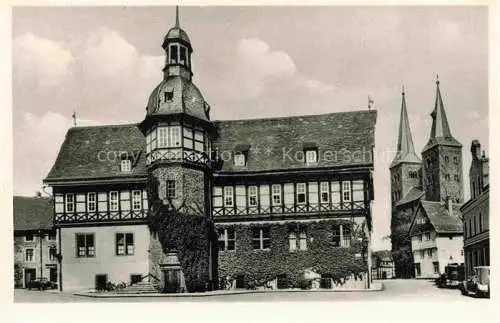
(405,148)
(177,24)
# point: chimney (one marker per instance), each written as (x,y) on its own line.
(449,205)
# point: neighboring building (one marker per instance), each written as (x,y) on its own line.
(382,265)
(438,179)
(436,238)
(282,198)
(476,212)
(35,240)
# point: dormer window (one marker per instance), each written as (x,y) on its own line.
(240,159)
(126,165)
(311,156)
(310,152)
(169,95)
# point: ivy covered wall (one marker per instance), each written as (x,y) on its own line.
(321,256)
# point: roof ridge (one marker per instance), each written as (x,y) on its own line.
(119,125)
(298,116)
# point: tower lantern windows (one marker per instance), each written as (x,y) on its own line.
(173,54)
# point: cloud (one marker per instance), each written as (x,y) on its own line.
(258,66)
(38,58)
(36,147)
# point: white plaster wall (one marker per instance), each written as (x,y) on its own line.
(449,248)
(79,273)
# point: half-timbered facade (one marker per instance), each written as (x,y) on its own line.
(289,197)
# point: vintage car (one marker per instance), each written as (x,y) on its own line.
(478,284)
(41,284)
(453,276)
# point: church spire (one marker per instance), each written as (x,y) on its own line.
(440,131)
(405,149)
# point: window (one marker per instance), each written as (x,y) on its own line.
(457,179)
(303,239)
(346,191)
(427,236)
(70,202)
(52,253)
(175,136)
(419,237)
(311,156)
(173,54)
(446,159)
(29,237)
(252,196)
(91,202)
(324,192)
(292,240)
(136,200)
(429,253)
(162,137)
(417,269)
(276,194)
(227,239)
(346,235)
(336,235)
(169,95)
(126,165)
(480,222)
(29,255)
(301,193)
(228,196)
(455,160)
(422,253)
(124,244)
(85,246)
(261,238)
(182,59)
(239,159)
(170,187)
(435,264)
(413,174)
(113,201)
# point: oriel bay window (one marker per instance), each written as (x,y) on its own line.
(227,239)
(85,246)
(124,244)
(261,238)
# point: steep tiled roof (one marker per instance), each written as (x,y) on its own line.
(406,151)
(348,137)
(96,152)
(342,139)
(440,131)
(414,194)
(33,213)
(440,218)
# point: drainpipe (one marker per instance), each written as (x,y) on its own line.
(59,258)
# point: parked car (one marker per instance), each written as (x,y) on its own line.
(41,284)
(478,284)
(454,275)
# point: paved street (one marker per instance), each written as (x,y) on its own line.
(401,290)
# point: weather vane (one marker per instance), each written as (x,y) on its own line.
(74,118)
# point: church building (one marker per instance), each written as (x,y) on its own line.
(426,194)
(186,203)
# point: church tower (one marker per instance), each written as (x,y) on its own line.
(406,167)
(178,134)
(442,158)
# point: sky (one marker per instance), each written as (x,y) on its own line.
(250,62)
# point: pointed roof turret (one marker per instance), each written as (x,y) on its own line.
(440,131)
(406,151)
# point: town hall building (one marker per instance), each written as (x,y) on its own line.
(191,204)
(426,193)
